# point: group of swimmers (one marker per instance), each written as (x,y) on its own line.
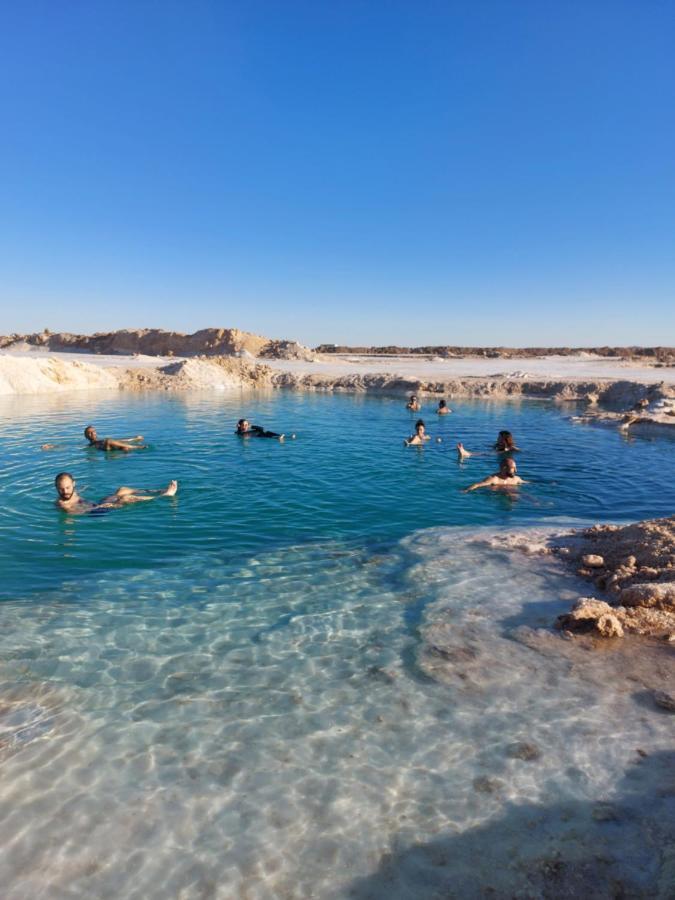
(71,501)
(505,477)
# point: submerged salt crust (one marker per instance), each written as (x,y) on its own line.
(338,716)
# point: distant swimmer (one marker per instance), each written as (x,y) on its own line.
(413,403)
(505,443)
(125,445)
(443,408)
(70,501)
(419,437)
(245,429)
(505,478)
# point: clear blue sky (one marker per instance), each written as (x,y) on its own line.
(476,172)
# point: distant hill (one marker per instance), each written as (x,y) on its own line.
(657,354)
(157,342)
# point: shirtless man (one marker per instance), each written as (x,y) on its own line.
(125,444)
(419,437)
(443,408)
(505,478)
(70,501)
(413,403)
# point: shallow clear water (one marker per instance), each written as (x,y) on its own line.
(238,692)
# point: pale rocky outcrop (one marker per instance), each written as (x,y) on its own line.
(637,572)
(219,373)
(287,350)
(47,375)
(157,342)
(589,614)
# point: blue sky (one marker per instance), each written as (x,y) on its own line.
(468,172)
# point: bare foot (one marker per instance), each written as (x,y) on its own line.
(461,452)
(171,490)
(282,437)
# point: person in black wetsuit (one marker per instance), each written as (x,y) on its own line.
(245,429)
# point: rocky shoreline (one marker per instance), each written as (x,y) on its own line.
(633,568)
(623,403)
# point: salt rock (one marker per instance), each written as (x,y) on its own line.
(592,561)
(590,614)
(664,700)
(661,595)
(609,626)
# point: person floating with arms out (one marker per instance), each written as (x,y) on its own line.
(506,477)
(70,501)
(125,445)
(245,429)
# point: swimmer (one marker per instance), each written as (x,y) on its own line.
(443,408)
(70,501)
(413,403)
(505,478)
(245,429)
(419,437)
(126,444)
(505,443)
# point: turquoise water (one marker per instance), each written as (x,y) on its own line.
(346,477)
(239,692)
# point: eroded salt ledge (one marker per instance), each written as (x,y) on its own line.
(324,721)
(644,401)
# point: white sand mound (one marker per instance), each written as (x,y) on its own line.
(49,375)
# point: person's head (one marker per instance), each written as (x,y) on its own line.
(90,433)
(505,440)
(413,398)
(442,404)
(507,467)
(65,485)
(243,425)
(420,426)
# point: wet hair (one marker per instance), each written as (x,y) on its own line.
(441,404)
(61,476)
(418,423)
(505,440)
(506,465)
(87,430)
